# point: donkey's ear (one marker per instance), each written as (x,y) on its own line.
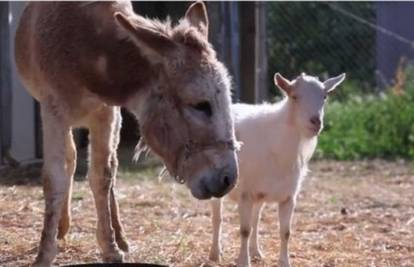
(196,14)
(282,83)
(332,83)
(154,45)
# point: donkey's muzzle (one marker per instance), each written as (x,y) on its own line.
(216,184)
(222,183)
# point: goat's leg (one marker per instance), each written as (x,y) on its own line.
(101,177)
(245,213)
(254,242)
(116,222)
(285,217)
(70,155)
(216,211)
(56,182)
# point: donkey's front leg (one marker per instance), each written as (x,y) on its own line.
(116,221)
(101,178)
(286,209)
(55,182)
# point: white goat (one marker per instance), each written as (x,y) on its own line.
(278,141)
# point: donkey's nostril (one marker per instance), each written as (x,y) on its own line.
(226,181)
(221,182)
(315,121)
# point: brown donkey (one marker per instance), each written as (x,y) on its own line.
(82,62)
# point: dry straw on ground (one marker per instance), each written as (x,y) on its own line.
(348,214)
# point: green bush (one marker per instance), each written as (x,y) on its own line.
(369,127)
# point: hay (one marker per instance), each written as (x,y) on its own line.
(348,214)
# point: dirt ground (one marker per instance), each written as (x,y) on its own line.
(348,214)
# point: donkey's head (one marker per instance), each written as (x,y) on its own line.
(185,116)
(307,96)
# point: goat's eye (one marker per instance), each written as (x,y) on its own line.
(204,107)
(325,97)
(294,97)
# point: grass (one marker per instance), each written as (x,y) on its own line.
(348,214)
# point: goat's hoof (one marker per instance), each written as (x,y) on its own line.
(215,256)
(114,256)
(122,244)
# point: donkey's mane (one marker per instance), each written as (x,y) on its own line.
(182,32)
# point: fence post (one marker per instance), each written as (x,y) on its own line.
(260,77)
(247,48)
(224,35)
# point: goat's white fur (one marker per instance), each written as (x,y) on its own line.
(278,141)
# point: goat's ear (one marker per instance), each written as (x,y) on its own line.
(197,16)
(283,84)
(332,83)
(153,45)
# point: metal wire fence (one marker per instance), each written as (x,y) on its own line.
(367,40)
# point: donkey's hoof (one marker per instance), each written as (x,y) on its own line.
(215,256)
(115,256)
(256,255)
(62,232)
(243,263)
(38,263)
(63,228)
(284,263)
(122,244)
(45,256)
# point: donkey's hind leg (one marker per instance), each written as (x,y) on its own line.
(70,154)
(101,178)
(116,222)
(55,182)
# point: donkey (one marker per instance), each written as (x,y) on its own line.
(84,61)
(271,170)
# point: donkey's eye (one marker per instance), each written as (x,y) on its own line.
(325,97)
(204,107)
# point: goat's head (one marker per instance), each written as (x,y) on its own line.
(306,97)
(186,118)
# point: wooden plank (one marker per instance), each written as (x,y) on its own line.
(396,17)
(5,92)
(22,105)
